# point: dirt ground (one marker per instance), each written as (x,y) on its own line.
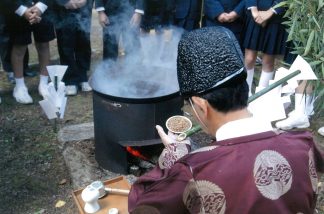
(33,174)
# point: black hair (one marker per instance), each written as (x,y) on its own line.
(229,97)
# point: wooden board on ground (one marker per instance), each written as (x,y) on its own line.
(110,200)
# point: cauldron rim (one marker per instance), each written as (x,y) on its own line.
(145,100)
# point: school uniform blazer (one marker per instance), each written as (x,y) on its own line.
(112,7)
(29,3)
(213,8)
(265,5)
(186,8)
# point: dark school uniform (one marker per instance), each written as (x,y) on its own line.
(187,13)
(20,29)
(73,40)
(270,39)
(119,13)
(213,8)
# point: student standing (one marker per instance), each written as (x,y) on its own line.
(225,13)
(187,14)
(73,25)
(264,32)
(119,18)
(28,18)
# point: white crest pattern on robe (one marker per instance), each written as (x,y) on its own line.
(272,174)
(204,197)
(171,154)
(312,170)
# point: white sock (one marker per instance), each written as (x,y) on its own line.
(300,103)
(309,104)
(304,104)
(249,78)
(265,77)
(43,80)
(20,82)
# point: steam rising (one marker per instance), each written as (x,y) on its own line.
(147,72)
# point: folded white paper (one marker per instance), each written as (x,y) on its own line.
(269,106)
(56,70)
(49,109)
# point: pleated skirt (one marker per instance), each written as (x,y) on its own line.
(270,39)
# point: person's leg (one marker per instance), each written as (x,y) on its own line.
(110,45)
(43,33)
(66,37)
(83,59)
(249,61)
(298,118)
(267,70)
(44,60)
(27,71)
(20,91)
(83,48)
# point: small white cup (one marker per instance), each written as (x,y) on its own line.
(113,211)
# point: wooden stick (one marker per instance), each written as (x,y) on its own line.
(117,191)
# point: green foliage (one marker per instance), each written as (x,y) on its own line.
(305,22)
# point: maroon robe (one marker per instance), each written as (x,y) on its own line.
(261,173)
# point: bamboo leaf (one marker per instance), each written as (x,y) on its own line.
(309,42)
(315,63)
(316,22)
(320,4)
(281,4)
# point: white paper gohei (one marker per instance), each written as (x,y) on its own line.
(269,106)
(56,70)
(49,109)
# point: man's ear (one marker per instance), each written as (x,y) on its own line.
(201,103)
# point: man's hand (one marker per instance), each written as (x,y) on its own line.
(103,19)
(264,16)
(28,14)
(232,16)
(222,17)
(173,150)
(36,10)
(255,13)
(31,16)
(135,20)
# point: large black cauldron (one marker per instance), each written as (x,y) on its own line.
(132,116)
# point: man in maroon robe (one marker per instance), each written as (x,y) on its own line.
(250,168)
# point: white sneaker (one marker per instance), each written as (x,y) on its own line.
(71,90)
(21,95)
(321,131)
(43,90)
(294,121)
(85,87)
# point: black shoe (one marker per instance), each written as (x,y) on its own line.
(30,73)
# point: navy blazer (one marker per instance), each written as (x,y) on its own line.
(187,9)
(113,6)
(265,5)
(29,3)
(213,8)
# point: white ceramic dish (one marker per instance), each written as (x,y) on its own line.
(178,116)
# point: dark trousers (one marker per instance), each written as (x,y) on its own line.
(75,52)
(111,36)
(73,41)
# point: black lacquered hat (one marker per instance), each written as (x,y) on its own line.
(208,58)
